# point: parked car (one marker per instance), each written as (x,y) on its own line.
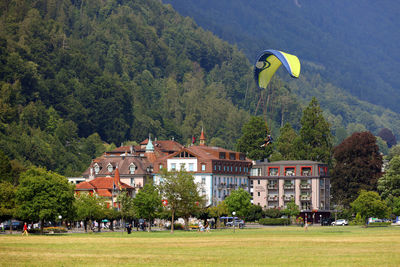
(340,222)
(16,225)
(234,221)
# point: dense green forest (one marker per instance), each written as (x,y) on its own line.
(77,77)
(348,50)
(76,73)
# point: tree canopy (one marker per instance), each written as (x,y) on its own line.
(315,138)
(182,194)
(358,165)
(254,133)
(147,203)
(43,195)
(369,204)
(238,201)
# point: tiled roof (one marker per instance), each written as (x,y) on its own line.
(84,186)
(104,192)
(123,163)
(100,183)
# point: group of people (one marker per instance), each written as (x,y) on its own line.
(205,227)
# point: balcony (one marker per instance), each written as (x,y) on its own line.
(273,198)
(272,186)
(305,186)
(305,198)
(288,186)
(288,197)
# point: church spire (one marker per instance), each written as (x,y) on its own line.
(202,138)
(149,146)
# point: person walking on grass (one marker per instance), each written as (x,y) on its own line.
(25,232)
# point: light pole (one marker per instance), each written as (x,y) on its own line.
(234,222)
(60,217)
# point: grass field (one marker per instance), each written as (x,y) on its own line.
(274,246)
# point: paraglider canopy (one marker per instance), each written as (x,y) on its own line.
(268,62)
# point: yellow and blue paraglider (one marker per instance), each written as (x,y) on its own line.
(268,63)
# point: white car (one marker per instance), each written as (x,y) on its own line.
(340,222)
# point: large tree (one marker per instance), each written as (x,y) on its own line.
(315,138)
(239,201)
(286,143)
(254,134)
(369,204)
(388,136)
(389,183)
(358,166)
(43,196)
(182,194)
(148,203)
(89,207)
(7,201)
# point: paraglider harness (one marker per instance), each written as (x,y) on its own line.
(268,140)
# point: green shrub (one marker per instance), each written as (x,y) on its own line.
(376,224)
(274,221)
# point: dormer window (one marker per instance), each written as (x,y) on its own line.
(96,168)
(132,168)
(110,167)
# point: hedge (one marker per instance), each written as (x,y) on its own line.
(274,221)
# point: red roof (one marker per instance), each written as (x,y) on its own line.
(100,184)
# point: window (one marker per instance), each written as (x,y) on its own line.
(258,194)
(203,167)
(110,167)
(183,167)
(132,168)
(273,184)
(203,180)
(173,166)
(306,171)
(222,155)
(132,181)
(323,171)
(255,172)
(242,157)
(160,166)
(96,168)
(258,181)
(191,167)
(232,156)
(290,171)
(273,171)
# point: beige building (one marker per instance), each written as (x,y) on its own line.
(274,184)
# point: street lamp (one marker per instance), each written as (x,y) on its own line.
(234,222)
(60,217)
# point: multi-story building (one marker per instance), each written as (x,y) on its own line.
(134,163)
(219,171)
(307,183)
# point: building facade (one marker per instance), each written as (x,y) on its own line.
(218,171)
(307,183)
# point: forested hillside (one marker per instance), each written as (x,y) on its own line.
(348,50)
(76,73)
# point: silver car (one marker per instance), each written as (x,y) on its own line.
(340,222)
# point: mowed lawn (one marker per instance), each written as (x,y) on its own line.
(273,246)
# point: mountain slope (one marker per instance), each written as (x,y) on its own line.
(353,43)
